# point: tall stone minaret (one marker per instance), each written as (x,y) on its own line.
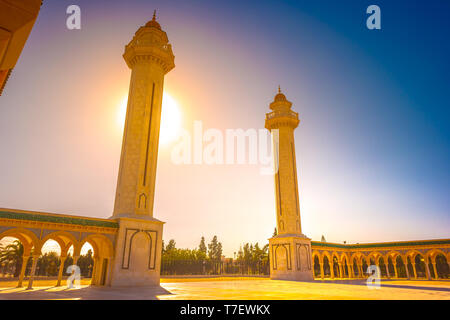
(289,250)
(137,259)
(149,56)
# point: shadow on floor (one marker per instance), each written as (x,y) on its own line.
(89,293)
(363,282)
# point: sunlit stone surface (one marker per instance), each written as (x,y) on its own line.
(225,288)
(290,250)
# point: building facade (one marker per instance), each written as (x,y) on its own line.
(34,229)
(17,18)
(289,250)
(294,257)
(127,247)
(426,259)
(139,243)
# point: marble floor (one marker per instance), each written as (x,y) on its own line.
(239,288)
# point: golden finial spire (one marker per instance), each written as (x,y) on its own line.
(279,96)
(153,22)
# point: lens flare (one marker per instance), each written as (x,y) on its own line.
(170,118)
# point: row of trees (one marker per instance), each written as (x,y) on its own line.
(212,252)
(205,259)
(248,253)
(208,259)
(251,254)
(47,265)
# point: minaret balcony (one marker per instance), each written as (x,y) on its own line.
(277,114)
(277,119)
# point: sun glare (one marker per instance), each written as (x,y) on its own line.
(170,118)
(122,112)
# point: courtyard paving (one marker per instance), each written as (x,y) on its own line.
(239,288)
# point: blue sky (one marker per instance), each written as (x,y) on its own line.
(372,146)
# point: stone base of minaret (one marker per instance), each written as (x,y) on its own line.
(290,257)
(137,261)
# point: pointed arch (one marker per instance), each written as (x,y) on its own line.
(432,253)
(27,237)
(64,239)
(101,244)
(316,253)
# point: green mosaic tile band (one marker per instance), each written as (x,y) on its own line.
(58,219)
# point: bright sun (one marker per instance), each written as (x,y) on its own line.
(170,118)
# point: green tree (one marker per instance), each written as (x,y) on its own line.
(219,251)
(86,263)
(240,255)
(202,250)
(68,262)
(257,253)
(171,245)
(202,246)
(247,254)
(215,249)
(251,257)
(50,264)
(13,253)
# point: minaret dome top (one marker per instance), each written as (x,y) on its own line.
(279,96)
(153,23)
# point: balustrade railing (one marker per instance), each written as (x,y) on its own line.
(275,114)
